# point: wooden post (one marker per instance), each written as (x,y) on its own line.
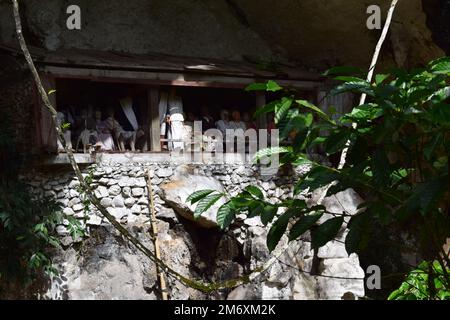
(47,126)
(153,111)
(260,102)
(162,280)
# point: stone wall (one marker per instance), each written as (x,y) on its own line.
(104,266)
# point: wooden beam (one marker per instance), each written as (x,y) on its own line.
(153,112)
(167,78)
(48,131)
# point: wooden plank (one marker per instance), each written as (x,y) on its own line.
(153,112)
(168,78)
(48,131)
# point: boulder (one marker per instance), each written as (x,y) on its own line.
(176,191)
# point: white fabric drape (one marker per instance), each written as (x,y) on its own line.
(162,107)
(127,107)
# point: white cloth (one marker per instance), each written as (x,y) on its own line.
(163,107)
(172,105)
(127,107)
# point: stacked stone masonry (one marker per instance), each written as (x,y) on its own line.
(104,266)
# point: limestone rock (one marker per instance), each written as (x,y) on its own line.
(118,201)
(106,202)
(68,212)
(137,192)
(164,172)
(101,192)
(94,220)
(176,191)
(114,190)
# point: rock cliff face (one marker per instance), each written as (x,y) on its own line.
(311,33)
(104,266)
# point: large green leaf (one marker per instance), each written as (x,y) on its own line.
(225,215)
(304,224)
(325,232)
(270,107)
(353,86)
(268,152)
(255,191)
(198,195)
(441,66)
(282,108)
(278,229)
(268,213)
(316,178)
(270,86)
(358,235)
(336,141)
(205,203)
(320,113)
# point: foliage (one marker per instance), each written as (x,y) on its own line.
(417,284)
(397,158)
(27,223)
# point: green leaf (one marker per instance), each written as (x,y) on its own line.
(278,228)
(441,66)
(380,78)
(315,178)
(198,195)
(256,87)
(325,232)
(440,95)
(353,86)
(225,215)
(255,209)
(206,203)
(337,141)
(273,86)
(270,86)
(303,225)
(358,235)
(268,152)
(310,106)
(255,191)
(282,108)
(268,213)
(270,107)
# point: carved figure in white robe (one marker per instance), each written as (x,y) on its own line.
(171,115)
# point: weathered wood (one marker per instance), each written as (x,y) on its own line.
(154,125)
(159,271)
(166,78)
(47,125)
